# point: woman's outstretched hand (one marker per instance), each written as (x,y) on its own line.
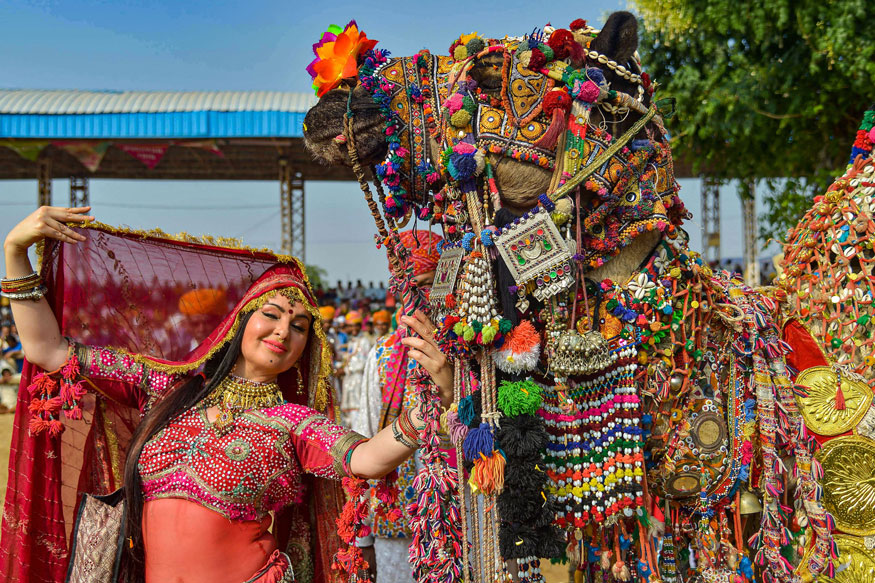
(47,221)
(425,351)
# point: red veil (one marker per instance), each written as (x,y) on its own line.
(122,289)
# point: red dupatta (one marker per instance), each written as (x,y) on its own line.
(122,289)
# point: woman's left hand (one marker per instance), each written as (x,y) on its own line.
(425,351)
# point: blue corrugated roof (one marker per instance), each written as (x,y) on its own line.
(149,115)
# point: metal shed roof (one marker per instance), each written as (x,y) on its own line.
(61,102)
(74,114)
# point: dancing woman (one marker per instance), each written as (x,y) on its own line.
(216,452)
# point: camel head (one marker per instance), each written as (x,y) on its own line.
(521,116)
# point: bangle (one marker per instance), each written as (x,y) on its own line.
(400,435)
(6,280)
(21,284)
(412,424)
(405,424)
(34,294)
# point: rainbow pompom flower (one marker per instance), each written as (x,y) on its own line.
(337,54)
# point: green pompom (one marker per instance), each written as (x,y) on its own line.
(489,333)
(469,334)
(459,329)
(469,105)
(445,156)
(460,119)
(548,52)
(477,326)
(475,45)
(460,53)
(519,398)
(505,325)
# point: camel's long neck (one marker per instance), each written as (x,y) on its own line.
(622,266)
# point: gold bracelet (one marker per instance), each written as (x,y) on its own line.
(21,284)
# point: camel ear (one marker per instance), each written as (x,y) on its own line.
(618,40)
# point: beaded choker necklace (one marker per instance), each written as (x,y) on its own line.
(235,395)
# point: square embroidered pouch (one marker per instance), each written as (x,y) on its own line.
(98,538)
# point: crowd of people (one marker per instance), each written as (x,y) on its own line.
(11,359)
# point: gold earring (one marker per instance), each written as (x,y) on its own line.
(301,390)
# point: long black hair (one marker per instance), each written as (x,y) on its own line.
(188,393)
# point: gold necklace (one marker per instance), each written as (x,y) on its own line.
(235,395)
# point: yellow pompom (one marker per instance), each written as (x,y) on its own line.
(460,119)
(461,52)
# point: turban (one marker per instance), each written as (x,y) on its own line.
(382,317)
(327,313)
(423,249)
(204,302)
(354,317)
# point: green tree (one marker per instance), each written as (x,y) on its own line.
(770,90)
(316,275)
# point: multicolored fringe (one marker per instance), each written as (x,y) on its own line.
(782,430)
(435,518)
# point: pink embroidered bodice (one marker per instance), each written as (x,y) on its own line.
(251,468)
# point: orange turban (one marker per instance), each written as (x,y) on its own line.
(204,302)
(423,249)
(381,317)
(327,313)
(354,317)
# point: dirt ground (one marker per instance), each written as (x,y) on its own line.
(552,573)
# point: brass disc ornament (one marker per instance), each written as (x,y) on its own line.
(819,408)
(849,483)
(856,563)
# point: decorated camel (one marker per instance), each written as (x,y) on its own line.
(619,404)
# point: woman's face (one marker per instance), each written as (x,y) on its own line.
(274,339)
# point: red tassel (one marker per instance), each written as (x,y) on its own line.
(557,126)
(840,398)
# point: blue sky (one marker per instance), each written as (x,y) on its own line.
(254,45)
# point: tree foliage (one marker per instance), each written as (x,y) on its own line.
(316,275)
(766,90)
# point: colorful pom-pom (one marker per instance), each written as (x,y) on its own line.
(519,398)
(475,45)
(478,441)
(537,60)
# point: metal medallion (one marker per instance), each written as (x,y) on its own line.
(849,483)
(533,250)
(819,408)
(445,274)
(856,563)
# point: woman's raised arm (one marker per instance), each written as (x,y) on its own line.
(391,446)
(37,327)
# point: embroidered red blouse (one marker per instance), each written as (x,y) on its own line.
(252,468)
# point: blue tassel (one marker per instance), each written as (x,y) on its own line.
(466,410)
(746,568)
(478,442)
(467,242)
